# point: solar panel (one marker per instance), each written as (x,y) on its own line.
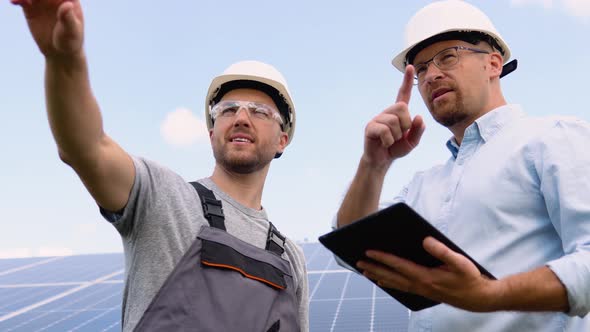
(83,293)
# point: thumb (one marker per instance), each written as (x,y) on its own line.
(69,30)
(67,16)
(416,131)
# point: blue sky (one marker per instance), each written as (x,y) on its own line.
(150,66)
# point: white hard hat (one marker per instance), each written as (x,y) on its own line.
(446,17)
(250,74)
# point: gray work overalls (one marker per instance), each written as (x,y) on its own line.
(225,284)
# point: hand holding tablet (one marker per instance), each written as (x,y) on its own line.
(398,230)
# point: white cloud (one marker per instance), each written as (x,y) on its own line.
(182,128)
(544,3)
(30,252)
(579,8)
(54,251)
(16,253)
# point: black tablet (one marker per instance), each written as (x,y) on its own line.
(399,230)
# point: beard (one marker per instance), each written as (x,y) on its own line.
(451,118)
(241,162)
(449,112)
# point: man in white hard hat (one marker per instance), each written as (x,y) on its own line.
(513,194)
(200,256)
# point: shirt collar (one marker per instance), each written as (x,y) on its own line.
(488,124)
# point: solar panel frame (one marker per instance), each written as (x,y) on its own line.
(84,293)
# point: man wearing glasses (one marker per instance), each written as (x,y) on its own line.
(200,256)
(513,194)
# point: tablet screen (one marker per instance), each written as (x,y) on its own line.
(398,230)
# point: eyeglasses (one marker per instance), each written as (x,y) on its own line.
(260,111)
(443,60)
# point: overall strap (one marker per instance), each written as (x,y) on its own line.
(275,241)
(212,209)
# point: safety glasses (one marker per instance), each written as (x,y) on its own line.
(230,108)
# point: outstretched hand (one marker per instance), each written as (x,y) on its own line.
(457,282)
(56,25)
(393,133)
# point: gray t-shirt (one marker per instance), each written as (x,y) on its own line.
(161,221)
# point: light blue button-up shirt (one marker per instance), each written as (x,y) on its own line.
(515,195)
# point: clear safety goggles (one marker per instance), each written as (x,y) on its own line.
(230,108)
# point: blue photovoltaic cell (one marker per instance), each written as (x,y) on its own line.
(312,280)
(330,287)
(390,315)
(354,315)
(12,299)
(359,287)
(8,264)
(67,269)
(321,315)
(309,249)
(340,300)
(320,260)
(117,278)
(334,265)
(70,311)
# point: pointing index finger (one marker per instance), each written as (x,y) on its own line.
(405,91)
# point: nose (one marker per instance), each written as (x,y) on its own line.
(432,72)
(242,117)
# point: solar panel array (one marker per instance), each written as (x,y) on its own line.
(83,293)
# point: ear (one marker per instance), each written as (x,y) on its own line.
(210,134)
(496,62)
(283,139)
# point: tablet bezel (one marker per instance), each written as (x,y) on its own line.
(399,230)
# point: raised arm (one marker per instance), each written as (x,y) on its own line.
(390,135)
(106,169)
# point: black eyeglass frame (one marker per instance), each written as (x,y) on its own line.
(456,48)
